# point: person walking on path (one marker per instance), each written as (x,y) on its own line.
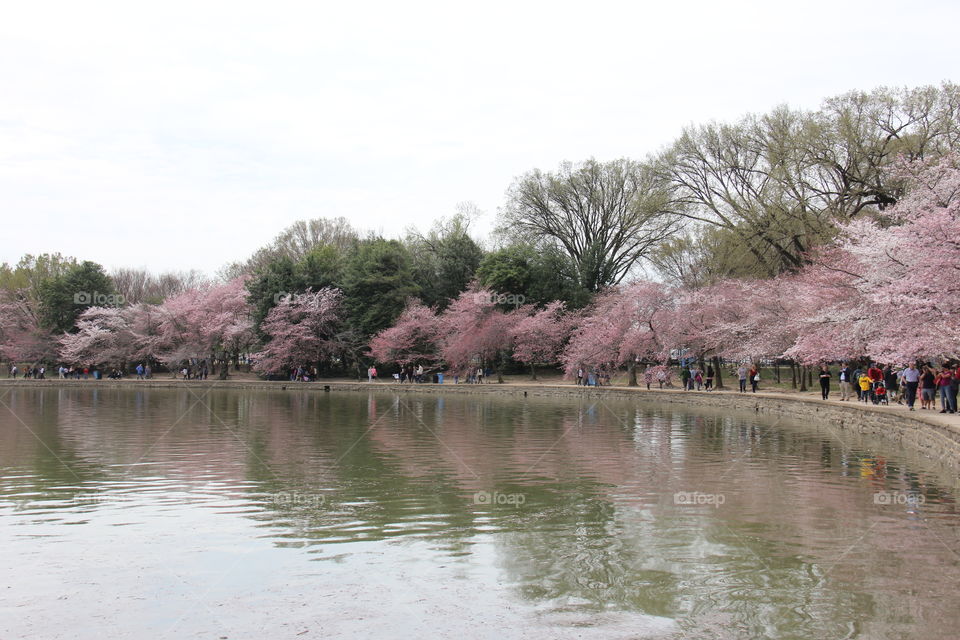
(901,385)
(890,380)
(754,378)
(742,375)
(928,388)
(824,382)
(647,378)
(911,378)
(685,378)
(140,372)
(945,382)
(844,376)
(955,387)
(855,379)
(875,373)
(708,382)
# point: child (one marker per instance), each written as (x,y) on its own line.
(864,384)
(880,393)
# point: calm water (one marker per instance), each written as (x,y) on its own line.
(222,514)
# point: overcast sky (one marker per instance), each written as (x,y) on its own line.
(175,135)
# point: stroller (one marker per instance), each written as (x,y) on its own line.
(880,394)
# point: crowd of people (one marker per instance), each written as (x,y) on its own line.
(592,378)
(37,373)
(882,385)
(193,370)
(872,384)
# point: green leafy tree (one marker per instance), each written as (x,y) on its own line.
(272,280)
(540,274)
(66,296)
(31,271)
(377,281)
(445,260)
(320,268)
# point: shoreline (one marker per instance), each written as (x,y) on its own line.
(934,436)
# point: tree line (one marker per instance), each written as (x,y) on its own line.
(757,200)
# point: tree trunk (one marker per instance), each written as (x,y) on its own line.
(803,379)
(632,373)
(533,371)
(793,375)
(776,368)
(718,377)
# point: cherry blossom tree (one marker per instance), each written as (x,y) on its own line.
(103,337)
(211,322)
(539,338)
(302,330)
(890,291)
(179,335)
(624,325)
(415,338)
(22,338)
(475,331)
(225,323)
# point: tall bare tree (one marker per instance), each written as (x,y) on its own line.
(139,285)
(779,183)
(296,241)
(605,215)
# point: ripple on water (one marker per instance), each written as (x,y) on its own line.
(599,545)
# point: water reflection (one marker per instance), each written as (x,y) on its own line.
(557,514)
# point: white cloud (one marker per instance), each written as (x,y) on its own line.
(188,134)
